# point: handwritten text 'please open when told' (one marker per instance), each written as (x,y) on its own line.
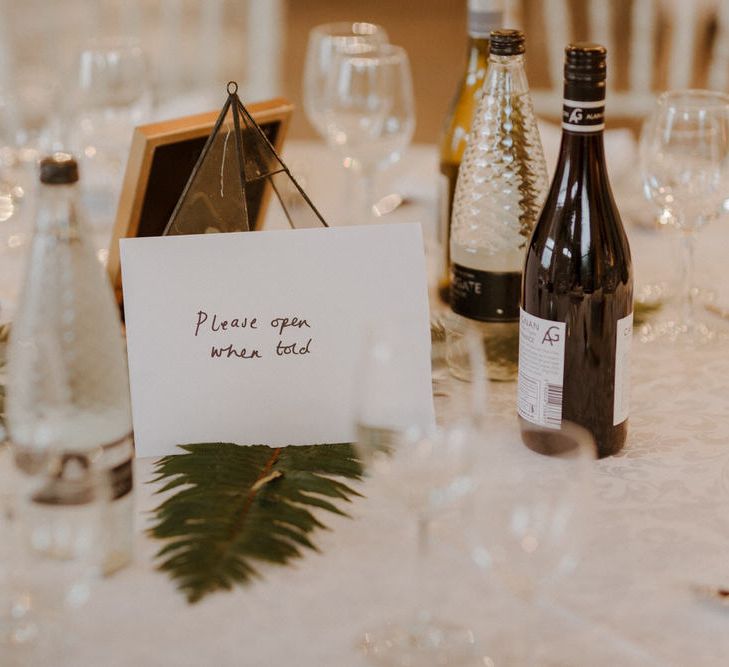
(282,327)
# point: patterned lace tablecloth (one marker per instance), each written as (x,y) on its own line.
(661,512)
(660,524)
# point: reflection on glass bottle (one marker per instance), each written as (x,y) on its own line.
(501,186)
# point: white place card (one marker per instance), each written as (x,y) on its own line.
(256,337)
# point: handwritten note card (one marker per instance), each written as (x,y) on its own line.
(256,337)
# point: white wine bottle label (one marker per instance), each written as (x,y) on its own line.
(487,296)
(583,116)
(541,370)
(623,340)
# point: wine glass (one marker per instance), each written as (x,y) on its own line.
(29,128)
(427,470)
(325,41)
(538,499)
(55,520)
(684,152)
(113,95)
(369,111)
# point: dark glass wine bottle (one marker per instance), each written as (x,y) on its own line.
(483,17)
(577,290)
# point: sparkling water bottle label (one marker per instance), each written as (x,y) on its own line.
(487,296)
(541,370)
(621,397)
(121,480)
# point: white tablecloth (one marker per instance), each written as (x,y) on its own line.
(661,523)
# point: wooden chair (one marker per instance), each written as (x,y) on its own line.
(653,45)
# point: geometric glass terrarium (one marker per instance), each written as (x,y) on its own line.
(227,187)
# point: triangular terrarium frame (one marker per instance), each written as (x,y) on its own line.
(239,112)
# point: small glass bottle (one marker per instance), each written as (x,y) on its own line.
(483,17)
(501,186)
(68,386)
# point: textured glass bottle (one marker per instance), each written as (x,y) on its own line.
(577,308)
(68,388)
(483,17)
(501,186)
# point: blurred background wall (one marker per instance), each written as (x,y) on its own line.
(194,47)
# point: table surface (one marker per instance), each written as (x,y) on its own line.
(661,523)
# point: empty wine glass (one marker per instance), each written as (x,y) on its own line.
(29,127)
(113,90)
(56,541)
(325,41)
(113,95)
(685,163)
(425,468)
(369,111)
(538,500)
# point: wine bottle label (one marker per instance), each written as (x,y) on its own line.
(541,370)
(621,396)
(583,116)
(487,296)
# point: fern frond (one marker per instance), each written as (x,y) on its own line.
(234,505)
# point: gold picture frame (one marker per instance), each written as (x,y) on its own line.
(161,159)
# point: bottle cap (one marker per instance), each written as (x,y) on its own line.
(507,42)
(585,62)
(59,169)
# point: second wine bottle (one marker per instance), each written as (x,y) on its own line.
(577,305)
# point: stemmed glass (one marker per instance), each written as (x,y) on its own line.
(53,543)
(684,154)
(427,469)
(369,111)
(113,96)
(325,41)
(29,127)
(538,500)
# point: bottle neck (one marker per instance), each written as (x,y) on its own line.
(58,211)
(483,17)
(506,76)
(477,53)
(582,152)
(583,109)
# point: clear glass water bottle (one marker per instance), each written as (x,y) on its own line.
(502,183)
(67,402)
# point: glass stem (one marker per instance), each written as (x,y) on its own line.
(420,612)
(688,244)
(530,630)
(348,191)
(367,179)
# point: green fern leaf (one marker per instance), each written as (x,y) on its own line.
(234,505)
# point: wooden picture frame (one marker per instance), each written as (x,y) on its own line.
(161,159)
